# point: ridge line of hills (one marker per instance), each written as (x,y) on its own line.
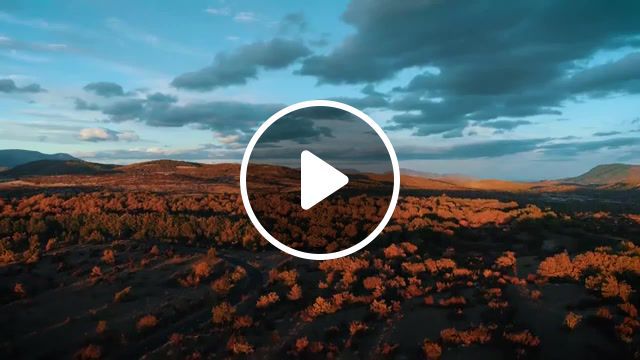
(21,164)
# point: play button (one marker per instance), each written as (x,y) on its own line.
(318,180)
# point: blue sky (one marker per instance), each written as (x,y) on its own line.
(514,90)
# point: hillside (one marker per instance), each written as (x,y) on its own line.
(14,157)
(609,174)
(56,167)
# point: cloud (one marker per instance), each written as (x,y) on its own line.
(32,22)
(105,89)
(516,60)
(162,110)
(245,17)
(9,86)
(218,11)
(607,133)
(507,125)
(301,130)
(576,148)
(103,134)
(371,99)
(293,23)
(488,149)
(237,67)
(81,104)
(622,76)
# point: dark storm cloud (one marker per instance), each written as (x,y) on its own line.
(619,76)
(488,149)
(607,133)
(302,131)
(372,99)
(505,124)
(81,104)
(575,148)
(105,89)
(237,67)
(9,86)
(223,117)
(485,60)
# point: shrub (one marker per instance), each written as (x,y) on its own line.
(222,313)
(295,293)
(122,294)
(604,313)
(432,350)
(242,322)
(572,320)
(146,322)
(238,345)
(266,300)
(479,335)
(101,327)
(380,308)
(109,257)
(356,327)
(301,344)
(372,282)
(524,338)
(90,352)
(454,300)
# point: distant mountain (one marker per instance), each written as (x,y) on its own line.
(13,157)
(609,174)
(56,167)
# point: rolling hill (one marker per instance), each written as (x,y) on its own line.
(609,174)
(14,157)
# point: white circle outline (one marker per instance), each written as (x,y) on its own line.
(245,163)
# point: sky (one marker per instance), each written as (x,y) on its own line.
(519,90)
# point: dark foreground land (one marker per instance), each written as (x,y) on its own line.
(129,268)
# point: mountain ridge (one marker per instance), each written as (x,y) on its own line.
(10,158)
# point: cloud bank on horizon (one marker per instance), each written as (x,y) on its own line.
(508,89)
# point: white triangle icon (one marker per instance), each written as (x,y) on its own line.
(318,180)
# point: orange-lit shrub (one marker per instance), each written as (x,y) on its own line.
(453,301)
(295,293)
(109,257)
(242,322)
(19,290)
(372,282)
(380,308)
(146,322)
(301,344)
(478,335)
(507,260)
(266,300)
(90,352)
(604,313)
(432,350)
(524,338)
(222,313)
(393,251)
(357,327)
(238,345)
(101,327)
(122,294)
(571,320)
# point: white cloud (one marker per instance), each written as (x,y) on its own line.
(102,134)
(218,11)
(245,16)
